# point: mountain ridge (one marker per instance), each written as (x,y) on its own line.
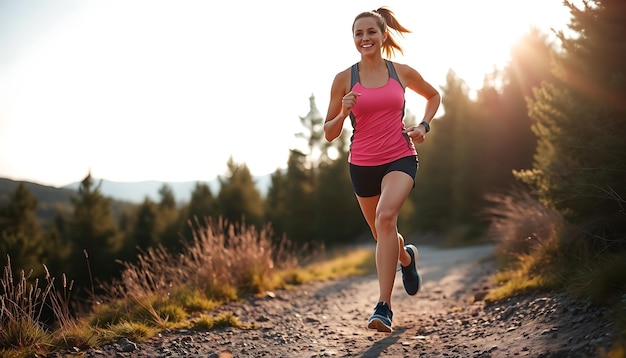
(133,192)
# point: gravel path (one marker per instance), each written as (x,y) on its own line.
(448,318)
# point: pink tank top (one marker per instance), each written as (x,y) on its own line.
(377,120)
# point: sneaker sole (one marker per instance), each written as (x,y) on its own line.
(378,325)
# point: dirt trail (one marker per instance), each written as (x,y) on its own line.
(447,318)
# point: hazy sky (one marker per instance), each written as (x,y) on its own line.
(136,90)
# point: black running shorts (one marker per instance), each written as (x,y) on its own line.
(367,180)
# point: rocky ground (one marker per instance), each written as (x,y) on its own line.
(448,318)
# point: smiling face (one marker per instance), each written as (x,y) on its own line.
(368,36)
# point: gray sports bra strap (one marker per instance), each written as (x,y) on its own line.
(354,75)
(392,71)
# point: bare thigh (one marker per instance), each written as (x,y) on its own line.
(368,208)
(396,186)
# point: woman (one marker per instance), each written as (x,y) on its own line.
(383,159)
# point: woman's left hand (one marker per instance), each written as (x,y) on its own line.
(417,133)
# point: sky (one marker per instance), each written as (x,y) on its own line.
(135,90)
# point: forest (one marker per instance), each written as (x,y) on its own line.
(538,152)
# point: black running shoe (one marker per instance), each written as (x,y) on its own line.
(381,319)
(410,277)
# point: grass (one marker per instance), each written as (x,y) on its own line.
(222,263)
(340,264)
(227,319)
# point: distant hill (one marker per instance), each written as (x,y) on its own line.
(136,192)
(43,193)
(51,200)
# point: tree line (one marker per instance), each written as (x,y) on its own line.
(551,122)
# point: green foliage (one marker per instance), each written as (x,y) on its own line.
(313,124)
(509,142)
(581,154)
(339,218)
(169,313)
(169,218)
(276,208)
(299,219)
(23,334)
(239,199)
(93,235)
(448,185)
(133,331)
(226,319)
(146,231)
(192,300)
(202,204)
(221,293)
(168,201)
(601,279)
(21,237)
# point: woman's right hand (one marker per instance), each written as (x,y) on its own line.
(348,101)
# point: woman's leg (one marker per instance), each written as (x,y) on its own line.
(381,213)
(368,208)
(403,256)
(395,189)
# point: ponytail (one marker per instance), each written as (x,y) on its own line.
(386,20)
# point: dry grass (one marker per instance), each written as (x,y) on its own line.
(529,243)
(341,264)
(222,263)
(134,331)
(518,222)
(540,251)
(227,319)
(22,304)
(239,258)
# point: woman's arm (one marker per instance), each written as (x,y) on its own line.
(414,81)
(341,101)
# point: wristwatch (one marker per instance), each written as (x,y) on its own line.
(426,125)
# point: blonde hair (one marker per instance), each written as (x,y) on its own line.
(386,19)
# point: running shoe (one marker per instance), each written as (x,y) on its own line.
(410,277)
(381,318)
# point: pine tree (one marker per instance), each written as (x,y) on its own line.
(510,143)
(148,226)
(445,171)
(21,237)
(93,234)
(338,216)
(580,161)
(276,210)
(313,123)
(169,216)
(202,205)
(239,199)
(167,200)
(299,222)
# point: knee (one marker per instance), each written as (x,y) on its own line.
(385,220)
